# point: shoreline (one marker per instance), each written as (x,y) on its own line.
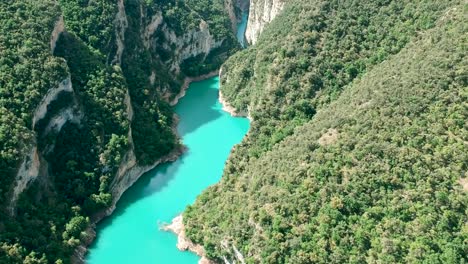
(183,243)
(230,109)
(177,226)
(80,251)
(188,81)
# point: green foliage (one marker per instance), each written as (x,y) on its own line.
(112,93)
(27,69)
(311,52)
(372,177)
(91,21)
(185,16)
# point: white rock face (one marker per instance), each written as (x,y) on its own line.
(229,6)
(129,172)
(121,23)
(67,115)
(58,29)
(52,94)
(261,13)
(33,165)
(156,21)
(28,171)
(183,243)
(191,44)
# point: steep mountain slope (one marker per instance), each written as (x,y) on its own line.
(85,88)
(358,140)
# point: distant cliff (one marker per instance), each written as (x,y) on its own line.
(261,13)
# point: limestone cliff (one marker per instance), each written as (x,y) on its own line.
(168,49)
(58,29)
(155,34)
(261,13)
(34,164)
(106,72)
(235,8)
(121,24)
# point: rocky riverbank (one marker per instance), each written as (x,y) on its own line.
(230,109)
(187,83)
(183,243)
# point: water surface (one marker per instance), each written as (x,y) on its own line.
(241,27)
(131,233)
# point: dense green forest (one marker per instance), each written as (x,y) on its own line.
(358,140)
(116,104)
(355,153)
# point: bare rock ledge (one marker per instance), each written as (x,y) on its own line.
(183,243)
(230,109)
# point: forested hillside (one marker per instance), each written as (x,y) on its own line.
(84,92)
(358,141)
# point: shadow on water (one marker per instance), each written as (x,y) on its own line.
(200,109)
(149,183)
(196,112)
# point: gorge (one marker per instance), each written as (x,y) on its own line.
(209,133)
(356,150)
(132,233)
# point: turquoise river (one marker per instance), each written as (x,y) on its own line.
(131,234)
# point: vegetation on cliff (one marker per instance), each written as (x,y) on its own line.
(358,142)
(118,103)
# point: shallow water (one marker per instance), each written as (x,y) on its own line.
(131,233)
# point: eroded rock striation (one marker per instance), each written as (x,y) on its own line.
(261,13)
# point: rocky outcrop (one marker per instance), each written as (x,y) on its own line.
(58,29)
(261,13)
(190,44)
(27,172)
(130,171)
(70,114)
(159,37)
(229,6)
(52,94)
(183,243)
(230,109)
(151,28)
(33,163)
(233,7)
(121,25)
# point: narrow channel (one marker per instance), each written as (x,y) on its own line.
(131,234)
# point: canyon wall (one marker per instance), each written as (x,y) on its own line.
(261,13)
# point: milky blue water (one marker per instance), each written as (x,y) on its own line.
(131,234)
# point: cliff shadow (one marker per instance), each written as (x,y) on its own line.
(198,106)
(149,183)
